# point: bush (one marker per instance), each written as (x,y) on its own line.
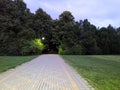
(26,47)
(29,47)
(75,50)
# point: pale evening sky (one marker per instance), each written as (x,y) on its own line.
(98,12)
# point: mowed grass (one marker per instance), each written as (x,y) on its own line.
(101,71)
(8,62)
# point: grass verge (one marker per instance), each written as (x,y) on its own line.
(101,71)
(8,62)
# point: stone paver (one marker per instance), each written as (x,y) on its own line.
(46,72)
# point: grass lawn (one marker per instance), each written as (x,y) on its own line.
(101,71)
(8,62)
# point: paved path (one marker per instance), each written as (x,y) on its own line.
(46,72)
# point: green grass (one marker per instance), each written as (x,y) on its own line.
(8,62)
(101,71)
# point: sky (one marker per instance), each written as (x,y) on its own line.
(99,12)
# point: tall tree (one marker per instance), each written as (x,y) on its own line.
(107,40)
(88,37)
(13,19)
(118,39)
(67,31)
(42,26)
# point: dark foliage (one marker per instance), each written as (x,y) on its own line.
(19,27)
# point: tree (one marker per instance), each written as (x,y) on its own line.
(118,39)
(88,37)
(66,17)
(42,22)
(67,36)
(43,26)
(107,40)
(14,17)
(112,33)
(21,33)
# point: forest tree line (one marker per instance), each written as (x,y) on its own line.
(21,33)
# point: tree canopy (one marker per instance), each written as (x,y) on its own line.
(22,33)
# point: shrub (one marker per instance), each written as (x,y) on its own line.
(74,50)
(29,47)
